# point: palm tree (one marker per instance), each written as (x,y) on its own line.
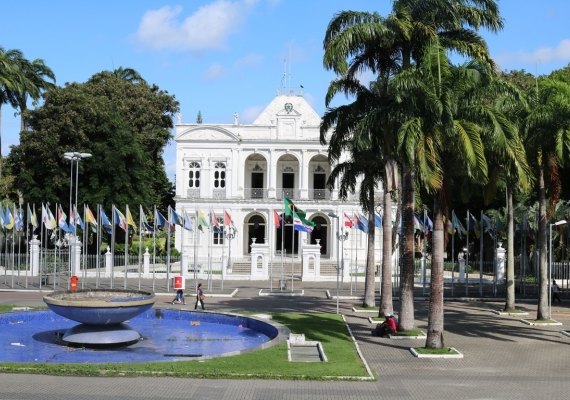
(371,42)
(129,75)
(36,80)
(11,82)
(353,132)
(548,138)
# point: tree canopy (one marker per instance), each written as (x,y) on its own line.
(123,123)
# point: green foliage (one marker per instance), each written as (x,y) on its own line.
(124,125)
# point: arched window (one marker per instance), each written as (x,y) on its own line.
(219,175)
(194,175)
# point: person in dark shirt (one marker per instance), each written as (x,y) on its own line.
(199,297)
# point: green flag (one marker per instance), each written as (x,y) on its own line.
(291,210)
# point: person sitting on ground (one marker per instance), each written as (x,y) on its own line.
(386,328)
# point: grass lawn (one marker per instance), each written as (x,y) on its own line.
(272,363)
(442,351)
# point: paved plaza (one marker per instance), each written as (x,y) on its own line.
(503,358)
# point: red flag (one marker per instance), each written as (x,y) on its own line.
(214,219)
(347,221)
(227,218)
(276,219)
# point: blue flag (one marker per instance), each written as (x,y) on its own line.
(105,222)
(377,221)
(159,219)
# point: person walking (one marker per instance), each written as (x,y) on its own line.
(555,292)
(179,297)
(199,297)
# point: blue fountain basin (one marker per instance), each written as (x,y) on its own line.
(99,306)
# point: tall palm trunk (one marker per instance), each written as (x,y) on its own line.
(369,284)
(435,317)
(386,294)
(510,281)
(542,310)
(406,319)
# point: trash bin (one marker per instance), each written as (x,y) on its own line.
(179,282)
(73,283)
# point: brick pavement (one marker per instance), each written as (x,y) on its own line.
(504,359)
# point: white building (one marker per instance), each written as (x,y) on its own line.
(246,171)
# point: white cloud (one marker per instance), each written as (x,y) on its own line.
(249,60)
(543,55)
(207,28)
(215,71)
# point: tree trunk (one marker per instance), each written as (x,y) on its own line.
(369,283)
(510,281)
(386,295)
(406,319)
(435,315)
(542,311)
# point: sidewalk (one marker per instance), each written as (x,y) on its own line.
(503,358)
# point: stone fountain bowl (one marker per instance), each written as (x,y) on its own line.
(99,306)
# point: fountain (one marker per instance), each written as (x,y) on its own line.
(101,313)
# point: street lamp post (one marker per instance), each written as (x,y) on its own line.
(230,234)
(74,156)
(341,237)
(557,223)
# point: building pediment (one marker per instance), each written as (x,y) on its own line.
(207,133)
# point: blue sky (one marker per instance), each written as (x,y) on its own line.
(224,56)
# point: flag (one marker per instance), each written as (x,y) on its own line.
(302,225)
(106,223)
(214,220)
(227,218)
(429,223)
(347,221)
(457,225)
(19,219)
(472,224)
(47,218)
(187,222)
(176,218)
(61,221)
(294,211)
(89,217)
(202,221)
(8,219)
(276,219)
(418,225)
(78,219)
(377,221)
(33,219)
(144,222)
(130,220)
(159,219)
(362,223)
(487,225)
(120,219)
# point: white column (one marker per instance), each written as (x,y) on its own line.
(75,254)
(501,263)
(35,256)
(108,263)
(272,172)
(304,175)
(146,262)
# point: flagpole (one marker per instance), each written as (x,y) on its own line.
(467,259)
(126,248)
(282,251)
(27,261)
(210,232)
(154,247)
(223,236)
(424,255)
(140,243)
(112,245)
(194,267)
(452,258)
(292,248)
(182,270)
(271,244)
(98,247)
(84,249)
(168,251)
(42,227)
(481,256)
